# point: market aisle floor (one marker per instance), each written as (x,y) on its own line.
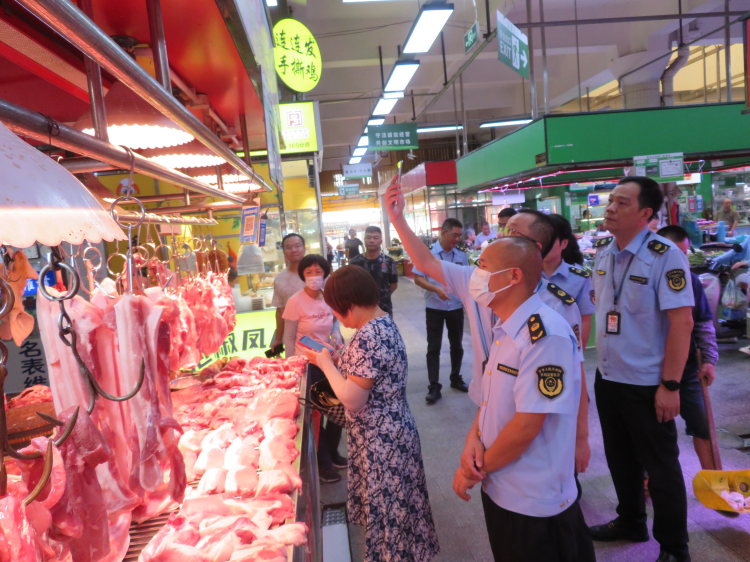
(443,427)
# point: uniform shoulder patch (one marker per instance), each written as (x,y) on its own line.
(560,294)
(506,369)
(551,382)
(676,279)
(601,271)
(579,271)
(603,242)
(658,247)
(460,249)
(536,328)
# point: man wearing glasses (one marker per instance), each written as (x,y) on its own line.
(441,308)
(287,282)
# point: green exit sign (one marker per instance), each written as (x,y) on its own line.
(512,46)
(471,37)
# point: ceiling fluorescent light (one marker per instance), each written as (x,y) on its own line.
(505,123)
(439,129)
(429,24)
(376,122)
(393,95)
(384,107)
(272,3)
(355,160)
(363,141)
(359,152)
(401,75)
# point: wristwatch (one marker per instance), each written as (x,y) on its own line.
(672,386)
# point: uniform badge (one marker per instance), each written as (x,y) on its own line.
(560,294)
(639,280)
(658,247)
(676,279)
(603,242)
(506,369)
(579,271)
(601,271)
(550,381)
(577,332)
(536,328)
(592,294)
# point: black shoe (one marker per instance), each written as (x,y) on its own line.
(329,476)
(433,396)
(613,531)
(339,461)
(459,384)
(665,556)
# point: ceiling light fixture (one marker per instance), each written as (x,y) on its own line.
(505,123)
(400,76)
(375,122)
(384,107)
(393,95)
(428,25)
(355,160)
(190,155)
(272,3)
(363,141)
(359,152)
(132,122)
(439,129)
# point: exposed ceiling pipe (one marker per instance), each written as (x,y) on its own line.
(215,207)
(161,198)
(667,78)
(36,126)
(71,23)
(628,19)
(150,218)
(85,165)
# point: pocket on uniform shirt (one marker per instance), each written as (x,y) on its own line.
(638,298)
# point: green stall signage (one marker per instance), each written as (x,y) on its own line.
(392,137)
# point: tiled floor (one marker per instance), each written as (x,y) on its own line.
(443,428)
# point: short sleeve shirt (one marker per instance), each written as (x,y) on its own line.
(482,238)
(701,313)
(384,271)
(353,244)
(727,216)
(455,256)
(657,280)
(575,281)
(314,318)
(533,368)
(285,284)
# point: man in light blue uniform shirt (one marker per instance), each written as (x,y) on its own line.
(526,423)
(644,320)
(441,308)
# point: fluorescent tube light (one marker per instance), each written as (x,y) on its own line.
(359,152)
(393,95)
(376,121)
(401,75)
(384,107)
(430,22)
(439,129)
(355,160)
(272,3)
(363,141)
(505,123)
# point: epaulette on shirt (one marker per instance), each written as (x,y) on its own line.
(536,328)
(560,294)
(579,271)
(658,247)
(603,242)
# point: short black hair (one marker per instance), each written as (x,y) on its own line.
(542,230)
(507,212)
(231,275)
(563,231)
(450,223)
(313,259)
(371,229)
(674,233)
(351,286)
(290,235)
(484,222)
(650,196)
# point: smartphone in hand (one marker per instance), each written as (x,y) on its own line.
(315,345)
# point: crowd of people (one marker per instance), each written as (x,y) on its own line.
(529,304)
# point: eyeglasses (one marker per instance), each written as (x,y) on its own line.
(295,247)
(509,231)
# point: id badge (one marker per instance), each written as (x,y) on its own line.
(613,322)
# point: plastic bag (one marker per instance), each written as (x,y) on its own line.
(733,296)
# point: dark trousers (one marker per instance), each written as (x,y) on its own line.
(454,321)
(635,441)
(328,443)
(521,538)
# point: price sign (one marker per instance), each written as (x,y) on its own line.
(660,167)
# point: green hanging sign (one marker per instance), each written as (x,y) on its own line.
(392,137)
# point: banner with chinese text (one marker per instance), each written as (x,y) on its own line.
(392,137)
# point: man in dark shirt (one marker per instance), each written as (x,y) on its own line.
(353,244)
(381,267)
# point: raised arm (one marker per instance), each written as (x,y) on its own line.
(420,254)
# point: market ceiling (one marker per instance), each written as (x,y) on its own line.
(349,34)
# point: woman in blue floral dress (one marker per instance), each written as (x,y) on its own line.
(387,486)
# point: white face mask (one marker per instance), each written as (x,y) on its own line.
(314,283)
(479,286)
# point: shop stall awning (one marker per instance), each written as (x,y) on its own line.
(585,147)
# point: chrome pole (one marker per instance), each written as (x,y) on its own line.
(158,44)
(532,83)
(96,91)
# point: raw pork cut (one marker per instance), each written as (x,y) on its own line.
(277,449)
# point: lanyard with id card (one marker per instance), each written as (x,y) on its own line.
(614,317)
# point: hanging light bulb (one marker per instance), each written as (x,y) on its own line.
(133,122)
(190,155)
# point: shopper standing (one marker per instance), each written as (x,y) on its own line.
(441,308)
(352,245)
(287,282)
(469,237)
(485,235)
(526,424)
(340,249)
(387,483)
(563,266)
(730,217)
(703,338)
(644,303)
(329,251)
(382,267)
(502,219)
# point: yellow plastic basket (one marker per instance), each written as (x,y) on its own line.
(708,485)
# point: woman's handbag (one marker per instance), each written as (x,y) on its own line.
(323,398)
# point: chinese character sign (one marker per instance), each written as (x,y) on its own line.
(27,365)
(392,137)
(297,56)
